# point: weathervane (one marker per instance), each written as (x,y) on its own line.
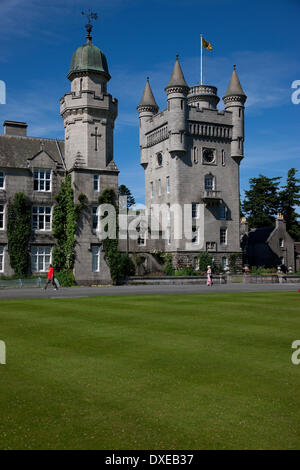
(90,16)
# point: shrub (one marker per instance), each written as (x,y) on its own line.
(187,271)
(169,268)
(233,262)
(204,260)
(65,278)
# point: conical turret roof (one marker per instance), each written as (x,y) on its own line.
(177,77)
(148,97)
(234,87)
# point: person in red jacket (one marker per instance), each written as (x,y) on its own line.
(51,278)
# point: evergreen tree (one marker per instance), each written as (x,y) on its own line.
(290,199)
(262,202)
(124,191)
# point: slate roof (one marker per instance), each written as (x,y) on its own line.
(15,150)
(260,235)
(148,97)
(234,87)
(177,77)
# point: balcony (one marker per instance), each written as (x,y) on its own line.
(211,195)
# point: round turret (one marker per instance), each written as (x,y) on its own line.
(203,96)
(177,90)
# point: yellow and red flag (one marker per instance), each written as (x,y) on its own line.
(207,45)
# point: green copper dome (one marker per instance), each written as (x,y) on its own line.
(89,58)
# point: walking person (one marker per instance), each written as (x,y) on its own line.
(209,276)
(51,278)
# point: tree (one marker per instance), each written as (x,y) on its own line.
(120,265)
(18,234)
(261,202)
(289,199)
(124,191)
(65,221)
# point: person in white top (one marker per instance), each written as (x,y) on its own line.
(208,283)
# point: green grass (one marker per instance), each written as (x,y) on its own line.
(151,372)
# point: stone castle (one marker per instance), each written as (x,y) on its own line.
(190,151)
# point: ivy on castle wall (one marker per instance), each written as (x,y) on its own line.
(64,225)
(18,234)
(120,265)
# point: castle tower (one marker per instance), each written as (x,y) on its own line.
(177,90)
(234,100)
(88,110)
(191,152)
(147,108)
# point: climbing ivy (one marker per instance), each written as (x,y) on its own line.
(120,265)
(65,221)
(18,234)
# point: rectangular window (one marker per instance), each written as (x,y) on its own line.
(95,217)
(222,212)
(2,210)
(195,236)
(151,189)
(281,243)
(195,210)
(223,236)
(1,259)
(97,183)
(41,218)
(169,236)
(42,180)
(40,258)
(95,259)
(2,179)
(223,158)
(169,214)
(209,182)
(224,263)
(168,184)
(141,240)
(159,187)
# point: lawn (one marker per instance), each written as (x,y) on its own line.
(151,372)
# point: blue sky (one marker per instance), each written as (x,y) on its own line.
(141,38)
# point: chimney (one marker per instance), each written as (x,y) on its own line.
(15,128)
(280,222)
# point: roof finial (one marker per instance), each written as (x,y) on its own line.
(177,56)
(90,16)
(234,66)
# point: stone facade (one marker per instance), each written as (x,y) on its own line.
(268,246)
(191,154)
(88,112)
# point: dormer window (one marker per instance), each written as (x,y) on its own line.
(281,242)
(42,180)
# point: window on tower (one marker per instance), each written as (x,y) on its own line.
(159,159)
(208,156)
(223,236)
(97,183)
(209,182)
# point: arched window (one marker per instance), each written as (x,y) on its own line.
(159,159)
(209,182)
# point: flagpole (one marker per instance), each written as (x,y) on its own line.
(201,46)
